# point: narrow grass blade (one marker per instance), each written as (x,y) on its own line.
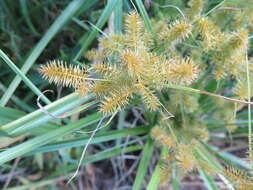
(101,137)
(118,17)
(23,77)
(228,157)
(20,103)
(37,118)
(100,23)
(144,163)
(155,179)
(108,153)
(144,15)
(209,182)
(175,178)
(36,142)
(69,11)
(24,11)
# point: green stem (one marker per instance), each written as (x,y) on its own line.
(207,93)
(249,113)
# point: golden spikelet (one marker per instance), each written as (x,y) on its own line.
(190,101)
(165,174)
(148,96)
(185,157)
(161,136)
(240,39)
(235,45)
(183,71)
(102,88)
(219,72)
(241,89)
(201,134)
(116,101)
(245,186)
(209,33)
(57,72)
(104,68)
(134,29)
(133,62)
(177,31)
(237,177)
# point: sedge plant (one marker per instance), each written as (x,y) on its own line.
(164,72)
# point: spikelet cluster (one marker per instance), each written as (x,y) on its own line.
(127,64)
(132,63)
(139,64)
(229,59)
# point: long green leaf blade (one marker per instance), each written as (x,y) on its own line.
(69,11)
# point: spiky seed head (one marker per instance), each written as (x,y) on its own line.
(59,73)
(177,31)
(236,176)
(116,101)
(102,88)
(134,30)
(184,71)
(240,39)
(241,89)
(104,68)
(219,72)
(148,96)
(165,174)
(185,157)
(133,62)
(209,33)
(161,136)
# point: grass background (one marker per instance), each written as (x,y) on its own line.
(39,152)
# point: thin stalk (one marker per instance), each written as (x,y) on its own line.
(207,93)
(249,113)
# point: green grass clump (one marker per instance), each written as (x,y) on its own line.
(181,79)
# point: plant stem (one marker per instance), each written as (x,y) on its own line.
(249,112)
